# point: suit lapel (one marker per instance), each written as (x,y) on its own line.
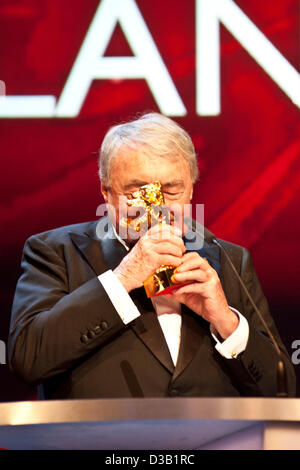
(90,250)
(100,253)
(148,329)
(193,328)
(229,283)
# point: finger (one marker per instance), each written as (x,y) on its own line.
(196,275)
(168,248)
(165,236)
(169,260)
(164,230)
(191,261)
(193,288)
(178,242)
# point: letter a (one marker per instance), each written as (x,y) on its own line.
(146,62)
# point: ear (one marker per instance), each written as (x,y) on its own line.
(104,191)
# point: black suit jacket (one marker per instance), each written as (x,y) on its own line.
(66,335)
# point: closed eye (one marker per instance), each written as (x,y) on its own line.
(166,193)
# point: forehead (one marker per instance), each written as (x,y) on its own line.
(129,165)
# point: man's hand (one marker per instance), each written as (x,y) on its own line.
(159,246)
(204,294)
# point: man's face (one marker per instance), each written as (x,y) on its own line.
(132,168)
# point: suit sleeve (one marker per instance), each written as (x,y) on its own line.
(51,328)
(256,368)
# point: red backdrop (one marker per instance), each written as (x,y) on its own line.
(248,154)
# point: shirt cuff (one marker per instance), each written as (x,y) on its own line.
(119,297)
(236,343)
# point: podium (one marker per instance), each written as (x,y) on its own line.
(152,424)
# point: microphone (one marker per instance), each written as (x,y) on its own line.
(211,238)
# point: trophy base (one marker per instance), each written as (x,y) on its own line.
(160,283)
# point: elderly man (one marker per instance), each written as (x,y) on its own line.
(82,325)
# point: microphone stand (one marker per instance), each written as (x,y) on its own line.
(281,372)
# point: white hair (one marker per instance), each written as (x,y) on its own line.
(157,134)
